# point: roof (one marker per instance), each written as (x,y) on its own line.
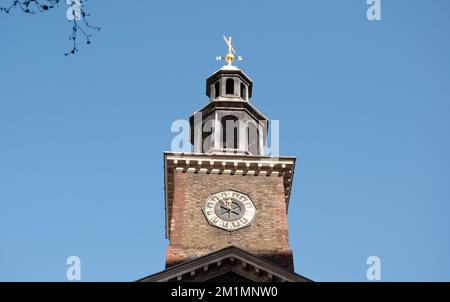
(228,264)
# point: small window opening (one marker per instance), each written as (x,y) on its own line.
(230,86)
(243,91)
(217,89)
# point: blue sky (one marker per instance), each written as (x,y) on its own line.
(364,106)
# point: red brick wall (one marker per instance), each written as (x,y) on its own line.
(192,236)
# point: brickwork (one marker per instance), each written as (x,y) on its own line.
(191,235)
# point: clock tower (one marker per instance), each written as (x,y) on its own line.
(226,203)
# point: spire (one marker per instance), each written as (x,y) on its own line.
(229,82)
(229,123)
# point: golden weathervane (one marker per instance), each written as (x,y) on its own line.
(229,57)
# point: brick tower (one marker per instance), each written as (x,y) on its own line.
(226,202)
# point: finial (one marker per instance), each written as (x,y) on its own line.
(229,57)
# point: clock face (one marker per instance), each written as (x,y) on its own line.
(229,210)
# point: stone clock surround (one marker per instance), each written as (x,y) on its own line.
(217,210)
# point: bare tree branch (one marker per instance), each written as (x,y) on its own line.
(79,17)
(76,14)
(30,6)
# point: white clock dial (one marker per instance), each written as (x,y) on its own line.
(229,210)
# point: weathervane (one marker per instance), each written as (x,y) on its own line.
(229,57)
